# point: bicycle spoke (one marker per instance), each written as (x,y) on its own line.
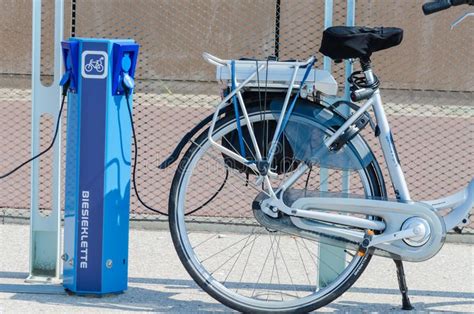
(235,262)
(321,261)
(199,244)
(230,258)
(275,268)
(228,247)
(288,271)
(293,163)
(302,261)
(242,256)
(263,267)
(246,263)
(222,163)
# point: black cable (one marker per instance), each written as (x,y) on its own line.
(307,180)
(212,197)
(135,145)
(359,80)
(135,159)
(47,149)
(134,162)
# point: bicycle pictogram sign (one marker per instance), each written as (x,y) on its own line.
(94,64)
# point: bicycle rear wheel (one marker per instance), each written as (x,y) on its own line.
(232,256)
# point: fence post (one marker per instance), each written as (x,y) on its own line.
(332,259)
(277,28)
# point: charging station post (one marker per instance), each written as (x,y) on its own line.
(98,164)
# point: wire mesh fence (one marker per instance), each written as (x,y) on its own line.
(427,82)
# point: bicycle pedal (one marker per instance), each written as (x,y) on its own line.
(464,223)
(365,242)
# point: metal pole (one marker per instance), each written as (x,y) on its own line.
(73,18)
(332,259)
(45,231)
(277,28)
(350,21)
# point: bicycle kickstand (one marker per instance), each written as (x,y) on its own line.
(402,284)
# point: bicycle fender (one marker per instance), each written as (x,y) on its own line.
(184,140)
(322,114)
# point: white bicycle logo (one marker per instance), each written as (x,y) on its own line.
(98,65)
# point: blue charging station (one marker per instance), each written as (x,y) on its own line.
(98,164)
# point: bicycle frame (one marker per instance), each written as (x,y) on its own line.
(241,102)
(385,137)
(393,213)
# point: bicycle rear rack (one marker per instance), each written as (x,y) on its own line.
(275,75)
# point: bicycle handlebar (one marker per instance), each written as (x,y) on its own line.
(440,5)
(433,7)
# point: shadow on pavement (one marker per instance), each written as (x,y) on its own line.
(134,299)
(13,275)
(359,307)
(430,293)
(143,299)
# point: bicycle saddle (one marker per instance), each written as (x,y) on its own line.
(346,42)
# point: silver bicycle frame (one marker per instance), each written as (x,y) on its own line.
(386,141)
(461,202)
(236,91)
(424,214)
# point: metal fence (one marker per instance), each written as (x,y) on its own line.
(427,82)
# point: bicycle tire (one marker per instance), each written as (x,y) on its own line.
(373,174)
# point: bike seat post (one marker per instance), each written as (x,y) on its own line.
(366,65)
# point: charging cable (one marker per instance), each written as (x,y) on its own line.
(128,85)
(65,88)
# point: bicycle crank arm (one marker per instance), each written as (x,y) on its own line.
(344,238)
(400,235)
(398,219)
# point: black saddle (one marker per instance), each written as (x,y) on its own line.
(347,42)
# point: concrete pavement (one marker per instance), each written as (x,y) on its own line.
(159,283)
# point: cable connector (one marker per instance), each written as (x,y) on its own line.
(66,82)
(128,82)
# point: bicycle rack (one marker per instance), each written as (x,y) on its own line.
(45,232)
(334,257)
